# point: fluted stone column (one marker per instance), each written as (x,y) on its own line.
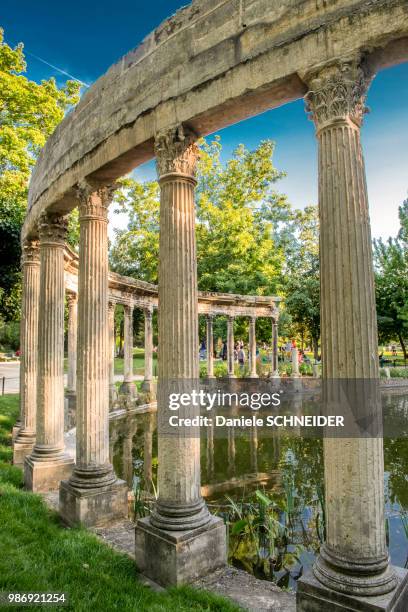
(128,387)
(180,540)
(353,562)
(111,348)
(252,347)
(275,363)
(210,346)
(72,301)
(49,463)
(93,494)
(295,362)
(30,263)
(147,384)
(230,347)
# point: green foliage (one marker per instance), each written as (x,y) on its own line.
(302,290)
(238,216)
(9,335)
(29,113)
(391,279)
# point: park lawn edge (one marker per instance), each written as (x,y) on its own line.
(39,554)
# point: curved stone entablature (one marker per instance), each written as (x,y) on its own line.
(213,63)
(127,291)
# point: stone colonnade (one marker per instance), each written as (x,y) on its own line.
(181,540)
(252,357)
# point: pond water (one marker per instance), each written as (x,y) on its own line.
(269,491)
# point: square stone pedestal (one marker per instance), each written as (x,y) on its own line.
(43,476)
(14,432)
(312,596)
(173,558)
(93,507)
(21,450)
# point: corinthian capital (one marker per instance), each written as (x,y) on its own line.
(176,152)
(30,252)
(52,228)
(94,199)
(337,93)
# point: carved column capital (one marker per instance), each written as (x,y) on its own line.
(52,228)
(94,199)
(30,254)
(338,93)
(176,152)
(111,305)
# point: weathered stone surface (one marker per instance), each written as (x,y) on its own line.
(179,557)
(93,506)
(48,459)
(93,494)
(247,591)
(354,558)
(312,596)
(24,436)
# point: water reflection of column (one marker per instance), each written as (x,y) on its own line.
(230,346)
(127,450)
(353,561)
(252,347)
(253,446)
(210,346)
(231,450)
(210,450)
(148,451)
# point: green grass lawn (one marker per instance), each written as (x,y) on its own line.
(37,554)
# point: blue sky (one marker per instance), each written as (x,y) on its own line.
(85,38)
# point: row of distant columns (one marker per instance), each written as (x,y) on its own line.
(230,347)
(128,387)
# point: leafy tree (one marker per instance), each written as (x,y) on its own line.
(391,279)
(239,227)
(302,289)
(29,113)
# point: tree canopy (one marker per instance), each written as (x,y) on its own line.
(391,279)
(29,113)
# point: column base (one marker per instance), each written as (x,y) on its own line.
(173,558)
(22,448)
(128,388)
(93,506)
(312,596)
(46,475)
(15,430)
